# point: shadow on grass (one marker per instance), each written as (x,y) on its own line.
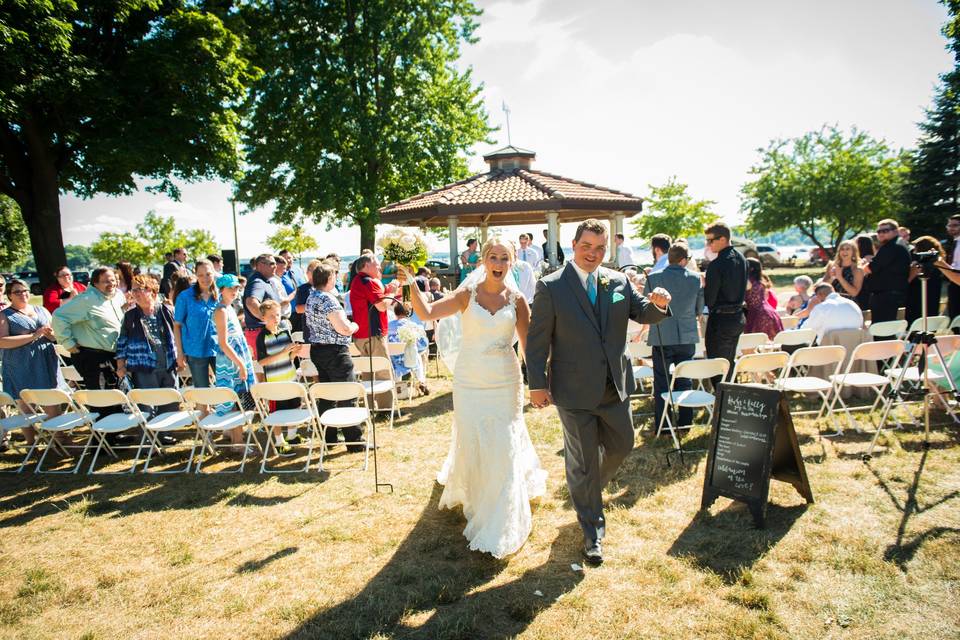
(727,543)
(433,586)
(255,565)
(902,551)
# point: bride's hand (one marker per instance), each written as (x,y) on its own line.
(404,277)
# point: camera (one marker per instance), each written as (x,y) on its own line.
(925,258)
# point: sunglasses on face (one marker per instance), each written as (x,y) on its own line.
(886,230)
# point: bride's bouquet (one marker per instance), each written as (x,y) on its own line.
(405,247)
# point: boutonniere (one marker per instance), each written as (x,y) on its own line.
(603,280)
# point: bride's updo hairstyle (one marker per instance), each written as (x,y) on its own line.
(496,240)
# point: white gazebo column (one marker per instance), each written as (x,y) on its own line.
(553,232)
(483,233)
(454,252)
(618,228)
(611,245)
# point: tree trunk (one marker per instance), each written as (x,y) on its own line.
(368,231)
(41,215)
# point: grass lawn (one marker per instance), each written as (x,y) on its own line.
(324,556)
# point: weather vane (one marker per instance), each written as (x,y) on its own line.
(506,112)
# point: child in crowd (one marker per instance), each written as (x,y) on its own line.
(275,353)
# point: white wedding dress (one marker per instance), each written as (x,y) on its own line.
(492,470)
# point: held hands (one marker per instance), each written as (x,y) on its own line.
(540,398)
(660,297)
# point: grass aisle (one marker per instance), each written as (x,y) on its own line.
(323,556)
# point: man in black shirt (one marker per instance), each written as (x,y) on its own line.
(953,259)
(889,273)
(546,254)
(723,294)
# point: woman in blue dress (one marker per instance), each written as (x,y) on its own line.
(26,338)
(469,259)
(234,363)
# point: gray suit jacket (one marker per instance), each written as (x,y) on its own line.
(686,305)
(583,352)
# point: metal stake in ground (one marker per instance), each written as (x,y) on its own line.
(373,312)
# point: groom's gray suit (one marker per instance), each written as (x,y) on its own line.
(590,377)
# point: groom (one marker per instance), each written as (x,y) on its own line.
(579,321)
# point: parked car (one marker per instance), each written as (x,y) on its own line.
(747,247)
(32,278)
(769,255)
(83,277)
(435,265)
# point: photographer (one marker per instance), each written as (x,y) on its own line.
(926,251)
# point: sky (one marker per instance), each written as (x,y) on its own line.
(626,94)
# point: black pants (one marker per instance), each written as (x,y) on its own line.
(953,300)
(98,370)
(663,357)
(333,364)
(721,338)
(884,306)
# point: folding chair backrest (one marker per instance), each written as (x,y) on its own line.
(39,398)
(639,350)
(364,364)
(62,351)
(949,344)
(337,391)
(70,374)
(749,341)
(789,322)
(396,348)
(888,328)
(155,397)
(795,337)
(935,324)
(101,398)
(308,369)
(761,363)
(210,396)
(876,351)
(818,356)
(6,400)
(278,391)
(702,369)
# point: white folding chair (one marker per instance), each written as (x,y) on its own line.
(915,377)
(949,345)
(340,417)
(405,388)
(749,342)
(888,329)
(760,366)
(214,423)
(128,417)
(641,354)
(303,416)
(954,324)
(795,338)
(14,420)
(307,371)
(935,324)
(375,386)
(166,422)
(72,376)
(796,378)
(72,419)
(695,398)
(789,322)
(877,353)
(62,353)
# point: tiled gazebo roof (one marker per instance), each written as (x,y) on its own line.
(510,193)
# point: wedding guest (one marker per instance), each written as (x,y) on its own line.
(436,289)
(62,290)
(402,365)
(761,317)
(528,252)
(370,312)
(217,262)
(829,311)
(934,281)
(124,277)
(469,259)
(797,302)
(889,274)
(844,273)
(624,254)
(771,294)
(146,346)
(294,271)
(724,289)
(26,338)
(659,245)
(675,338)
(174,265)
(194,331)
(560,257)
(298,321)
(181,282)
(287,289)
(866,249)
(951,247)
(234,364)
(259,288)
(275,353)
(330,333)
(526,280)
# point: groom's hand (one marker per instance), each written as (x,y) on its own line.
(660,297)
(540,398)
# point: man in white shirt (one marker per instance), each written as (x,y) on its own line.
(659,245)
(624,255)
(831,312)
(528,252)
(526,279)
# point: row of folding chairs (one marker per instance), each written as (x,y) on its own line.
(95,415)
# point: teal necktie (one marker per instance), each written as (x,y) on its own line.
(592,288)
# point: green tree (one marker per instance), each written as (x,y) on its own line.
(93,94)
(152,238)
(79,257)
(932,189)
(294,239)
(671,210)
(110,248)
(824,184)
(14,241)
(363,104)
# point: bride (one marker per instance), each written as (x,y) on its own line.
(492,470)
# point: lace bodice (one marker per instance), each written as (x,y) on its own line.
(485,332)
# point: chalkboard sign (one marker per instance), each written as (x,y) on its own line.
(752,440)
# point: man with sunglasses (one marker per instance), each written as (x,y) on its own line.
(724,290)
(889,273)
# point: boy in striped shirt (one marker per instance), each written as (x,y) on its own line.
(275,352)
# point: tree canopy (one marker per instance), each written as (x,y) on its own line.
(671,210)
(294,239)
(93,95)
(14,241)
(362,104)
(824,182)
(152,238)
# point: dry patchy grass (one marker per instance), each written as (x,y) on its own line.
(324,556)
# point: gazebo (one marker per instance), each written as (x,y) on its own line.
(511,192)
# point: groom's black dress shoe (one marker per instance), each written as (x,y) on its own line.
(592,553)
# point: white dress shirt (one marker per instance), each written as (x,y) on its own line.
(624,255)
(526,280)
(583,280)
(531,255)
(836,312)
(956,256)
